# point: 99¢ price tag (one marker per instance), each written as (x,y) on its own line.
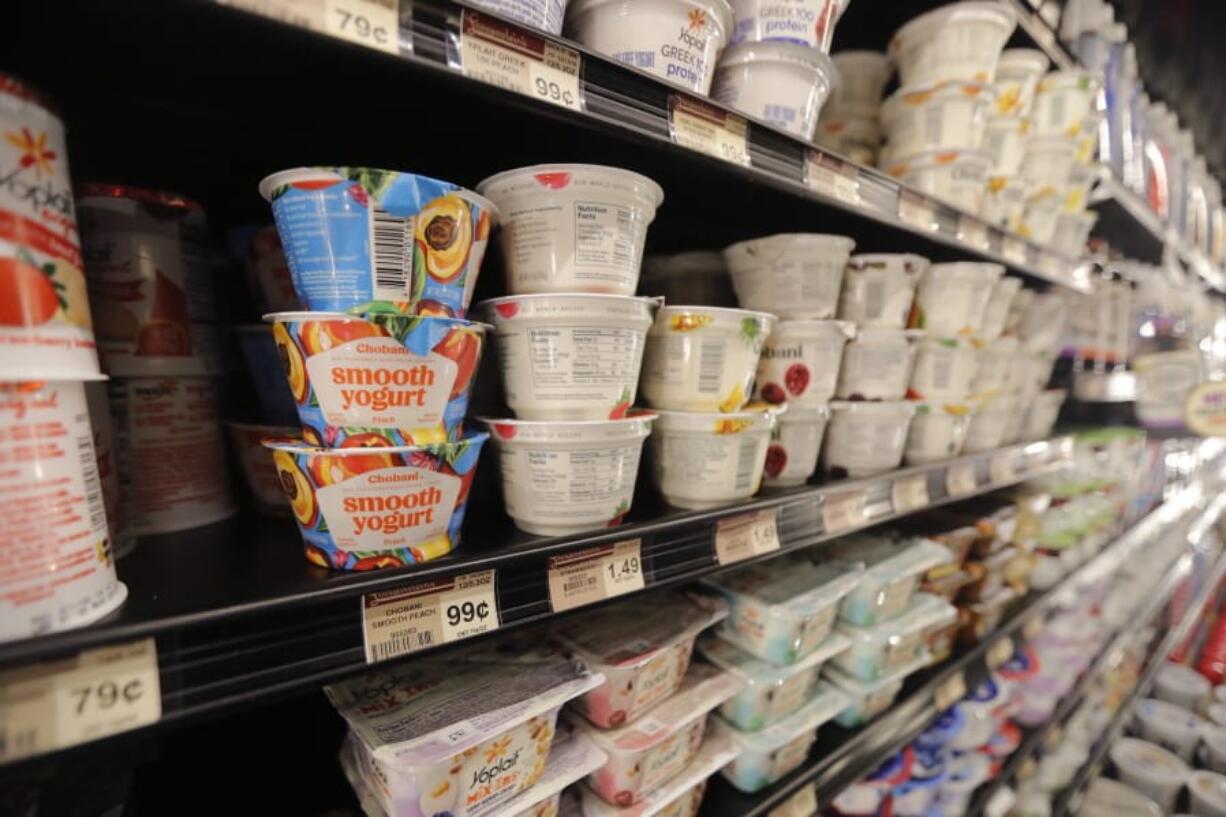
(743,537)
(372,23)
(500,54)
(595,574)
(703,127)
(427,614)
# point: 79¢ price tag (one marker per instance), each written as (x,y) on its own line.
(743,537)
(595,574)
(500,54)
(703,127)
(372,23)
(423,615)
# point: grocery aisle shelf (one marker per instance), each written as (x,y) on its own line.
(1032,24)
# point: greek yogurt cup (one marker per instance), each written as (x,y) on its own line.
(790,275)
(959,41)
(883,649)
(938,432)
(856,137)
(562,477)
(570,357)
(1151,770)
(862,79)
(878,289)
(1063,101)
(780,83)
(893,573)
(944,369)
(783,611)
(868,699)
(807,23)
(997,311)
(951,298)
(877,365)
(1004,139)
(1040,417)
(795,443)
(676,40)
(1017,77)
(571,228)
(955,177)
(863,439)
(1170,726)
(703,359)
(643,652)
(942,116)
(800,362)
(1004,202)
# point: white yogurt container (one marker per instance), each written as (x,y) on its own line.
(938,432)
(1150,769)
(803,22)
(1048,162)
(543,15)
(878,289)
(959,41)
(574,228)
(695,277)
(1004,202)
(1182,686)
(800,362)
(997,311)
(955,177)
(1039,216)
(995,360)
(988,421)
(868,699)
(944,369)
(1208,793)
(780,83)
(862,78)
(1017,76)
(855,137)
(703,359)
(1213,753)
(891,578)
(1063,101)
(1081,179)
(1004,139)
(1170,726)
(795,443)
(570,357)
(944,116)
(877,365)
(676,40)
(1217,714)
(885,648)
(863,439)
(951,298)
(1040,417)
(791,275)
(703,461)
(1071,233)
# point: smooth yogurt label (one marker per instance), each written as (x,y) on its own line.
(380,382)
(388,508)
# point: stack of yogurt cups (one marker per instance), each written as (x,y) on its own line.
(1007,134)
(850,123)
(379,362)
(54,536)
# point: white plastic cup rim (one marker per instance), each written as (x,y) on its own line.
(782,52)
(283,177)
(652,193)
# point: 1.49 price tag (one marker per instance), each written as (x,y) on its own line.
(743,537)
(500,54)
(595,574)
(398,622)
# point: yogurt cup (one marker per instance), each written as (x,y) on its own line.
(996,313)
(780,83)
(1217,714)
(951,298)
(570,357)
(800,363)
(959,41)
(783,611)
(703,359)
(1182,686)
(561,477)
(703,461)
(268,275)
(107,455)
(965,774)
(543,15)
(1017,77)
(1039,217)
(863,439)
(372,506)
(1048,162)
(942,116)
(642,653)
(868,699)
(259,472)
(378,379)
(1042,325)
(884,648)
(1063,100)
(676,40)
(790,275)
(1072,232)
(807,23)
(357,238)
(1151,770)
(696,277)
(769,754)
(856,137)
(955,177)
(1081,179)
(1106,798)
(877,365)
(263,362)
(1004,139)
(862,79)
(1213,750)
(1040,418)
(891,577)
(571,228)
(995,360)
(944,369)
(878,289)
(1208,793)
(795,443)
(1170,726)
(938,432)
(1004,202)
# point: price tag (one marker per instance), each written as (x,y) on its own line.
(917,211)
(500,54)
(703,127)
(910,493)
(832,177)
(1014,250)
(951,690)
(842,511)
(1001,469)
(100,692)
(594,574)
(960,479)
(1033,628)
(973,232)
(1000,652)
(427,614)
(801,804)
(743,537)
(372,23)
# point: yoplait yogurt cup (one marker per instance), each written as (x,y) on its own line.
(800,362)
(956,41)
(878,289)
(381,505)
(778,82)
(705,460)
(803,22)
(402,378)
(359,239)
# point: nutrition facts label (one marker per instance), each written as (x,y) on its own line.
(571,483)
(573,357)
(604,235)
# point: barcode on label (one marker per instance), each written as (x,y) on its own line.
(93,487)
(401,644)
(710,366)
(578,583)
(746,459)
(390,240)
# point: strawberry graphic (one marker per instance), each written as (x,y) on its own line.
(358,194)
(623,405)
(504,430)
(554,181)
(776,460)
(774,393)
(796,378)
(507,309)
(619,513)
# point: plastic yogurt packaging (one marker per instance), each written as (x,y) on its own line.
(1182,686)
(951,298)
(783,611)
(703,359)
(800,362)
(367,507)
(59,567)
(570,357)
(878,289)
(1004,202)
(1151,770)
(795,443)
(884,648)
(892,574)
(357,238)
(955,177)
(770,753)
(543,15)
(1170,726)
(259,472)
(676,40)
(942,116)
(1063,100)
(877,365)
(1207,791)
(1004,140)
(1072,231)
(997,311)
(868,699)
(944,369)
(459,736)
(938,432)
(1213,752)
(262,358)
(1039,420)
(703,461)
(780,83)
(655,749)
(643,652)
(808,23)
(959,41)
(569,228)
(862,79)
(790,275)
(378,379)
(863,439)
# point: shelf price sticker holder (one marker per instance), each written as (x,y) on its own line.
(595,574)
(742,537)
(371,23)
(831,177)
(505,56)
(428,614)
(707,129)
(917,211)
(960,479)
(909,493)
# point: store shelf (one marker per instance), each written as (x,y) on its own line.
(1042,36)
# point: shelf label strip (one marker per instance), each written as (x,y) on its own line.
(843,511)
(973,232)
(960,479)
(742,537)
(832,177)
(505,56)
(594,574)
(372,23)
(951,690)
(703,127)
(427,614)
(915,210)
(909,493)
(1000,468)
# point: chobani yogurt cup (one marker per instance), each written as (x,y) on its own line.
(878,289)
(800,362)
(261,355)
(1017,77)
(951,298)
(959,41)
(562,477)
(106,453)
(59,569)
(703,359)
(378,379)
(941,116)
(938,432)
(1063,100)
(795,443)
(956,177)
(703,460)
(357,238)
(863,439)
(791,275)
(573,228)
(944,369)
(676,40)
(781,83)
(377,505)
(1004,139)
(256,462)
(877,365)
(807,22)
(570,357)
(45,325)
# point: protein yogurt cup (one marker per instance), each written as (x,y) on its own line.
(703,359)
(951,298)
(561,477)
(373,506)
(941,116)
(780,83)
(571,228)
(258,347)
(863,439)
(1063,100)
(959,41)
(938,432)
(790,275)
(868,699)
(862,79)
(944,369)
(884,648)
(1004,202)
(256,463)
(996,313)
(808,23)
(1040,417)
(795,443)
(1004,139)
(570,357)
(800,362)
(878,289)
(703,461)
(1151,770)
(1017,77)
(955,177)
(359,239)
(877,365)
